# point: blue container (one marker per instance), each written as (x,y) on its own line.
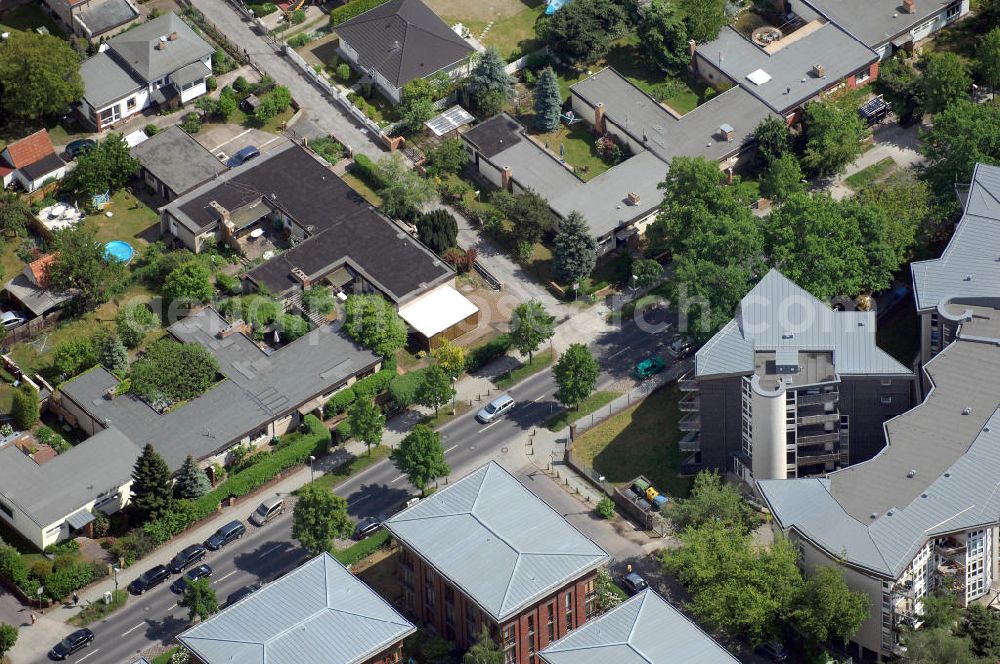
(659,502)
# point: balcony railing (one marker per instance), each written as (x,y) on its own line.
(690,422)
(691,403)
(814,459)
(691,442)
(824,418)
(687,385)
(817,438)
(813,399)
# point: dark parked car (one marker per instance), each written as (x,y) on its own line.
(187,557)
(202,571)
(774,650)
(245,591)
(81,638)
(76,148)
(634,584)
(365,527)
(149,580)
(230,532)
(243,156)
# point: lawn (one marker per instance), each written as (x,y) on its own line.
(129,217)
(273,125)
(513,35)
(591,404)
(575,145)
(359,185)
(28,17)
(641,440)
(540,361)
(165,657)
(866,176)
(98,610)
(355,465)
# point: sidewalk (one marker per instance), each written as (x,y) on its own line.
(894,141)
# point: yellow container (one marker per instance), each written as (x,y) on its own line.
(651,493)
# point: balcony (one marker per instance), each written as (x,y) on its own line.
(951,568)
(812,460)
(687,385)
(815,399)
(691,403)
(951,549)
(690,422)
(824,418)
(691,442)
(803,440)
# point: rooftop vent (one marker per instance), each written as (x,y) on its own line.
(912,473)
(909,6)
(727,132)
(947,474)
(967,277)
(819,71)
(787,335)
(160,45)
(861,323)
(966,411)
(633,198)
(874,515)
(172,36)
(923,495)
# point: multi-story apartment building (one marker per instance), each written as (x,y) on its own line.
(485,552)
(790,388)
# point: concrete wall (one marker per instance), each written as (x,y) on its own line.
(721,402)
(861,400)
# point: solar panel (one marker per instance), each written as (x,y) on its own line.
(452,119)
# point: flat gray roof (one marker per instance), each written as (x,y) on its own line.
(259,387)
(137,47)
(778,315)
(105,81)
(496,541)
(938,472)
(643,630)
(58,487)
(319,613)
(968,267)
(100,17)
(177,160)
(790,68)
(876,22)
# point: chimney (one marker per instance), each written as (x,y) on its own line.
(302,277)
(221,211)
(507,179)
(910,6)
(819,71)
(727,131)
(172,36)
(632,198)
(692,47)
(599,117)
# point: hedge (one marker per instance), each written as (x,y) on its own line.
(489,351)
(404,388)
(364,168)
(339,402)
(352,9)
(363,549)
(369,386)
(314,441)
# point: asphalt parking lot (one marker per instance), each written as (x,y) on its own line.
(226,140)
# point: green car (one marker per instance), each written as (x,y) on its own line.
(650,367)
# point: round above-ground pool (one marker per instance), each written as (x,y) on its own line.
(119,250)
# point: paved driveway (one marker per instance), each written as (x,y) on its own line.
(11,611)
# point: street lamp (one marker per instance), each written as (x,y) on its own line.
(41,591)
(116,569)
(454,393)
(312,473)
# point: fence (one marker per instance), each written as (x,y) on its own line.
(33,327)
(494,283)
(519,64)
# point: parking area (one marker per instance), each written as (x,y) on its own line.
(226,140)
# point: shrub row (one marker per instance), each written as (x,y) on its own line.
(363,549)
(352,9)
(489,351)
(369,386)
(60,579)
(365,168)
(404,388)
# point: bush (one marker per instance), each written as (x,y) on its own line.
(606,508)
(192,123)
(352,9)
(227,285)
(151,130)
(377,383)
(263,9)
(71,577)
(222,63)
(365,169)
(298,16)
(339,402)
(329,149)
(344,72)
(363,549)
(242,85)
(404,388)
(299,40)
(486,353)
(211,84)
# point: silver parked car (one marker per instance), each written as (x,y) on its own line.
(495,409)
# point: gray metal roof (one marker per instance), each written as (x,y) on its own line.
(319,613)
(875,22)
(792,82)
(939,472)
(778,315)
(968,267)
(496,541)
(137,47)
(643,630)
(58,487)
(177,160)
(259,388)
(106,81)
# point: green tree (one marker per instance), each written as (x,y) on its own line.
(199,599)
(24,407)
(489,84)
(906,204)
(403,191)
(437,229)
(420,457)
(435,390)
(782,179)
(528,213)
(447,157)
(946,79)
(833,136)
(608,594)
(192,482)
(113,355)
(936,646)
(826,609)
(133,321)
(576,375)
(366,422)
(773,140)
(15,213)
(988,58)
(82,267)
(940,610)
(39,75)
(963,134)
(484,650)
(705,18)
(712,500)
(450,357)
(107,167)
(416,111)
(374,323)
(8,637)
(530,327)
(900,85)
(171,371)
(228,104)
(191,281)
(548,101)
(665,36)
(152,491)
(74,357)
(574,252)
(646,272)
(582,31)
(320,516)
(982,627)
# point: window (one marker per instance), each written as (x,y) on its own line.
(550,622)
(862,76)
(470,621)
(886,382)
(510,645)
(569,610)
(110,115)
(590,598)
(885,400)
(531,639)
(429,594)
(954,10)
(6,509)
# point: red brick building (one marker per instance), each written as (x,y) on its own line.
(486,552)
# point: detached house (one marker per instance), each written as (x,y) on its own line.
(160,62)
(93,19)
(31,162)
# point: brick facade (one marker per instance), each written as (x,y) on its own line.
(431,599)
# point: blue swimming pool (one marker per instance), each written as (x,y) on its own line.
(554,6)
(119,250)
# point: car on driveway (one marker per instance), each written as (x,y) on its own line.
(243,155)
(12,319)
(81,145)
(202,571)
(81,638)
(187,557)
(365,527)
(680,348)
(149,580)
(634,584)
(230,532)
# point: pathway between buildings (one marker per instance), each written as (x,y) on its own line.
(899,143)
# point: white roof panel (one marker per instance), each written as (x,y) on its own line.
(758,77)
(437,311)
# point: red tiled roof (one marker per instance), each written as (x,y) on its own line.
(30,149)
(40,269)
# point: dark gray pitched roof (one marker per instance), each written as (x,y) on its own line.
(137,47)
(56,488)
(105,81)
(403,40)
(177,160)
(319,613)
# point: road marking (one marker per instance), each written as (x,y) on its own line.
(132,629)
(359,500)
(396,480)
(450,449)
(623,350)
(266,143)
(492,425)
(244,133)
(271,550)
(223,578)
(92,652)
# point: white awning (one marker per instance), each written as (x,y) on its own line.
(437,311)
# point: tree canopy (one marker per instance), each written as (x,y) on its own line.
(529,215)
(530,327)
(152,491)
(367,422)
(39,75)
(712,500)
(963,134)
(435,389)
(582,31)
(484,650)
(782,178)
(320,516)
(437,229)
(646,272)
(112,354)
(826,609)
(420,457)
(665,36)
(74,356)
(447,157)
(773,140)
(24,407)
(548,101)
(190,282)
(946,79)
(988,58)
(107,167)
(704,18)
(374,323)
(192,482)
(199,599)
(133,321)
(402,190)
(81,267)
(574,252)
(833,134)
(170,372)
(900,84)
(489,83)
(450,357)
(576,375)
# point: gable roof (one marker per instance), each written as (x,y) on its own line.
(319,613)
(40,268)
(645,629)
(778,315)
(30,149)
(138,47)
(403,40)
(489,521)
(177,160)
